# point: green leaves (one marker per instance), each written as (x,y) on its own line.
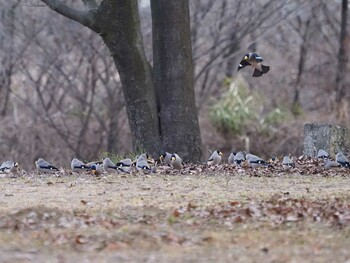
(240,110)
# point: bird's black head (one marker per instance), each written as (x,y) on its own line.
(93,167)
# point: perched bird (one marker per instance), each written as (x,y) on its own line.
(78,166)
(239,158)
(124,165)
(255,161)
(176,162)
(165,158)
(342,160)
(96,169)
(108,165)
(329,164)
(142,165)
(254,59)
(287,163)
(231,158)
(322,155)
(215,158)
(9,167)
(44,166)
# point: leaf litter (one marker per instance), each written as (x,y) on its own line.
(224,205)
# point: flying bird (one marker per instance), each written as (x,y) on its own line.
(254,59)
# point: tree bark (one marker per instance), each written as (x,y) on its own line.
(118,23)
(173,78)
(342,53)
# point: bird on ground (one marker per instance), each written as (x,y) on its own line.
(142,155)
(255,161)
(342,160)
(108,165)
(239,158)
(165,158)
(9,167)
(215,158)
(329,164)
(93,162)
(322,155)
(78,166)
(287,163)
(96,169)
(124,165)
(44,166)
(231,158)
(176,162)
(254,59)
(142,165)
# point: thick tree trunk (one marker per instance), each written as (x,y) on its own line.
(117,21)
(173,78)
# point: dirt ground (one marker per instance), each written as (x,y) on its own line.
(223,217)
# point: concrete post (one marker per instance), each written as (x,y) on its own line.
(330,138)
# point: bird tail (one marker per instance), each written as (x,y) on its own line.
(265,69)
(257,73)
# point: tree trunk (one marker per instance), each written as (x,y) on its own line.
(118,23)
(305,37)
(173,78)
(342,63)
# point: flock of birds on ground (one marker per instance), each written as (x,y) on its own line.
(143,164)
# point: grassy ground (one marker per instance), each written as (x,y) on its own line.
(212,216)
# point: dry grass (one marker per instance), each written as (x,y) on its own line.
(135,218)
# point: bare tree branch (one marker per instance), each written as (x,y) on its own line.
(81,17)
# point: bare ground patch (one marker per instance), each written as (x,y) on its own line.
(175,218)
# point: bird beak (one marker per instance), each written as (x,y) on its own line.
(246,57)
(173,158)
(220,153)
(93,171)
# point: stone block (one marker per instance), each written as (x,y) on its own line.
(325,136)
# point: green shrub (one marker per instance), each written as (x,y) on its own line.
(240,110)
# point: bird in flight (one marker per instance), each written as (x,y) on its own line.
(254,59)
